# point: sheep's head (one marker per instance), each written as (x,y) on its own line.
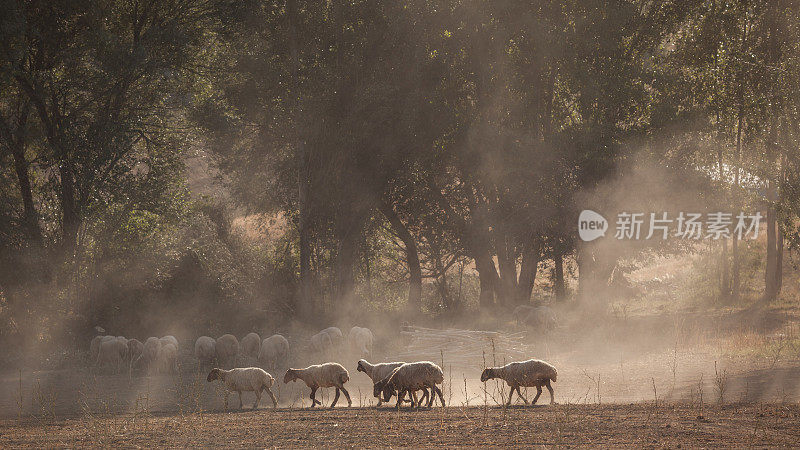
(360,367)
(377,388)
(291,375)
(487,374)
(213,375)
(388,392)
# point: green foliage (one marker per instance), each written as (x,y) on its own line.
(445,146)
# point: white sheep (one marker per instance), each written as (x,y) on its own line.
(337,338)
(322,376)
(246,379)
(94,346)
(135,349)
(227,348)
(378,372)
(168,358)
(169,340)
(112,352)
(149,355)
(321,342)
(250,345)
(532,372)
(274,350)
(205,351)
(360,341)
(411,377)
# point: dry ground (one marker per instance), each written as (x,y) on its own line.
(640,425)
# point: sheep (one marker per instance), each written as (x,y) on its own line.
(169,340)
(149,354)
(532,372)
(274,349)
(112,351)
(246,379)
(205,351)
(336,335)
(322,375)
(360,340)
(411,377)
(94,346)
(168,358)
(250,345)
(321,342)
(378,372)
(535,316)
(227,348)
(135,349)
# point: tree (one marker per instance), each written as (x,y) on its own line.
(103,81)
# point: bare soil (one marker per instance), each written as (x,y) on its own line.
(640,425)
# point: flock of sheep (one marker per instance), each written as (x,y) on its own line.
(159,355)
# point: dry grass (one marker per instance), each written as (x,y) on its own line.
(575,425)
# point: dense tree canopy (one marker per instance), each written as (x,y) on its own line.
(427,156)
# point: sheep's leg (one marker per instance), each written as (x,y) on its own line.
(550,388)
(241,405)
(510,395)
(335,398)
(258,399)
(347,395)
(400,396)
(227,393)
(538,393)
(427,397)
(272,396)
(521,396)
(441,396)
(414,402)
(314,401)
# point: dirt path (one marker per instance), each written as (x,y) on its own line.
(609,425)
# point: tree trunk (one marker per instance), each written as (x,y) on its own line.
(779,263)
(770,289)
(558,280)
(582,257)
(735,281)
(367,268)
(70,219)
(487,276)
(724,279)
(770,278)
(346,257)
(23,178)
(16,135)
(527,275)
(593,276)
(506,262)
(773,58)
(735,275)
(412,257)
(304,302)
